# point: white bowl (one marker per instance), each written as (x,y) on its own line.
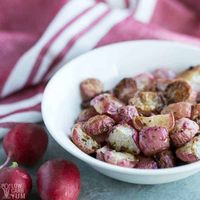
(61,101)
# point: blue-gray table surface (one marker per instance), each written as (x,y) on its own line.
(96,186)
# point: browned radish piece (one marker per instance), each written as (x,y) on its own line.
(124,138)
(161,85)
(144,81)
(193,97)
(126,114)
(106,104)
(83,141)
(147,102)
(177,91)
(101,152)
(184,130)
(120,159)
(98,124)
(125,89)
(166,120)
(196,113)
(101,139)
(90,88)
(180,110)
(153,140)
(85,104)
(164,73)
(86,114)
(192,75)
(146,163)
(198,97)
(165,159)
(190,152)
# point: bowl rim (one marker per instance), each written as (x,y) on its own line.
(93,161)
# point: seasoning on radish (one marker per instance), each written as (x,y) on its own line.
(58,179)
(26,143)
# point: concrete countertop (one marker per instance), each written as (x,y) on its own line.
(99,187)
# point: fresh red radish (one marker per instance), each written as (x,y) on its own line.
(59,180)
(26,143)
(15,183)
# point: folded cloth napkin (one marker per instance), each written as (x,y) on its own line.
(38,36)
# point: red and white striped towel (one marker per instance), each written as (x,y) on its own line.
(39,36)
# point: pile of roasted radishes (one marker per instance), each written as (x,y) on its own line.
(148,121)
(56,179)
